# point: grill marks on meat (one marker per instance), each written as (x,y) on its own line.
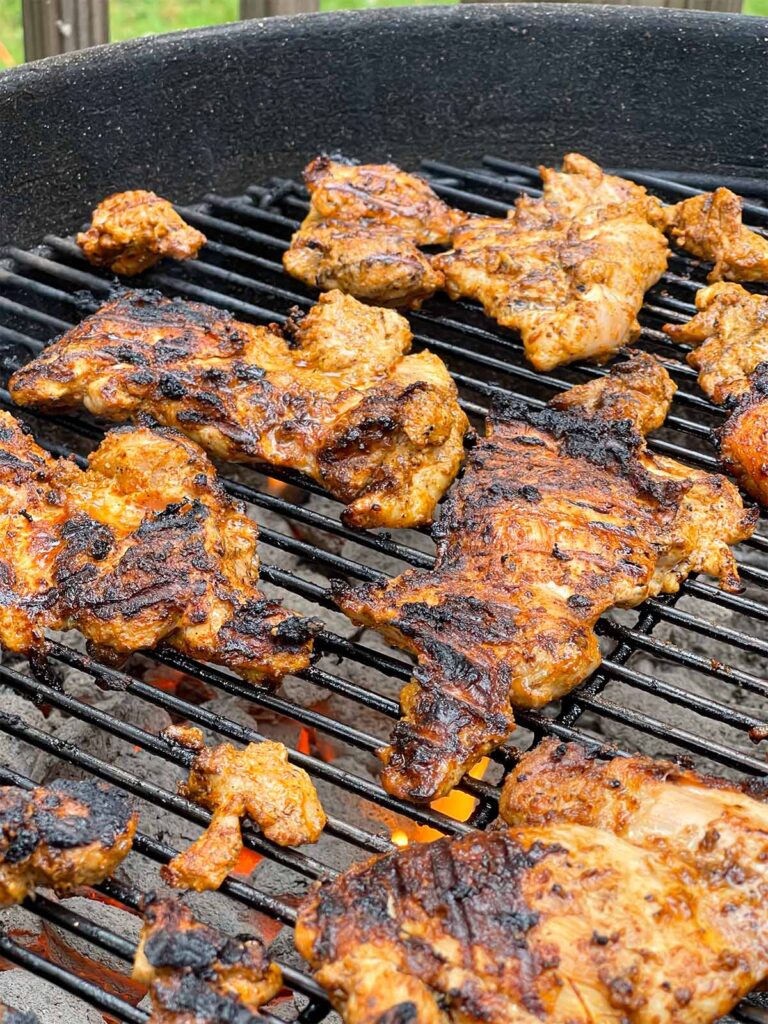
(363,232)
(258,782)
(195,974)
(132,231)
(627,892)
(562,513)
(333,395)
(568,271)
(141,547)
(729,336)
(61,836)
(709,227)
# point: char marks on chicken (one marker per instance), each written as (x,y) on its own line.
(143,546)
(61,836)
(632,893)
(257,781)
(333,394)
(197,975)
(729,335)
(562,514)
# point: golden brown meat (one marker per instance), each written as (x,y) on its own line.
(633,893)
(132,231)
(333,394)
(10,1016)
(729,336)
(562,513)
(195,974)
(709,226)
(141,547)
(61,836)
(363,231)
(258,782)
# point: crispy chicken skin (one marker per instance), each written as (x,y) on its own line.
(632,892)
(729,336)
(562,513)
(363,231)
(333,394)
(142,546)
(61,836)
(195,974)
(258,782)
(569,270)
(132,231)
(709,226)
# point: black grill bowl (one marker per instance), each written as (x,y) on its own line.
(221,107)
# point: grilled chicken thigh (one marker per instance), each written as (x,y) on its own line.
(132,231)
(333,394)
(729,336)
(257,781)
(632,893)
(142,546)
(562,513)
(61,836)
(363,231)
(195,974)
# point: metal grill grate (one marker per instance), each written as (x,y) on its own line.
(682,675)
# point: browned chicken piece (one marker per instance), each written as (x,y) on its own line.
(132,231)
(562,513)
(729,336)
(10,1016)
(142,546)
(631,892)
(61,836)
(583,190)
(363,231)
(709,226)
(333,394)
(258,782)
(197,975)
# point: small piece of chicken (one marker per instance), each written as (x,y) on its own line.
(627,893)
(363,231)
(258,782)
(332,394)
(132,231)
(8,1015)
(709,226)
(572,288)
(729,336)
(197,975)
(61,836)
(562,513)
(142,546)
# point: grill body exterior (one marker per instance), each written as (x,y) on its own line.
(219,107)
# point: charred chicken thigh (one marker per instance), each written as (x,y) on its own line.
(257,781)
(729,336)
(61,836)
(631,892)
(332,394)
(132,231)
(142,546)
(562,513)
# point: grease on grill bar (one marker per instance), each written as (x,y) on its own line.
(681,675)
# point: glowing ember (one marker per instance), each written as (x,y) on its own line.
(246,862)
(456,805)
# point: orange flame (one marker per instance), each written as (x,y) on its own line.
(456,805)
(246,862)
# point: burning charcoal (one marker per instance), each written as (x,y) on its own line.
(51,1004)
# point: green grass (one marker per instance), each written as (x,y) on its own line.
(131,18)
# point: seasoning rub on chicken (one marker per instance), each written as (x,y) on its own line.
(729,335)
(562,514)
(143,546)
(197,975)
(332,394)
(363,231)
(61,836)
(258,782)
(627,893)
(132,231)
